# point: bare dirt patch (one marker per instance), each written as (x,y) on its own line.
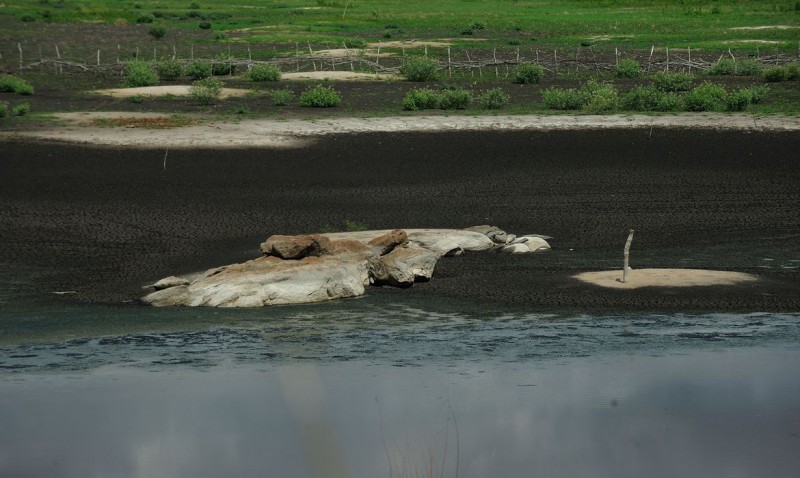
(767,27)
(349,52)
(665,278)
(338,76)
(174,90)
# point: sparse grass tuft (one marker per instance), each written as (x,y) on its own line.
(21,109)
(3,109)
(282,97)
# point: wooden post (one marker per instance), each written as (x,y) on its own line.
(19,45)
(449,72)
(626,255)
(175,52)
(690,59)
(616,57)
(667,58)
(192,53)
(98,57)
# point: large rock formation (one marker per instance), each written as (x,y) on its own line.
(320,267)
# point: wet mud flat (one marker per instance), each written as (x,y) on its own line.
(100,222)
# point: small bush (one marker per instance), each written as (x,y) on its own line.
(282,97)
(158,32)
(206,91)
(3,109)
(723,67)
(198,70)
(528,73)
(729,67)
(669,101)
(628,69)
(748,68)
(706,97)
(28,18)
(21,109)
(241,110)
(144,19)
(641,98)
(420,69)
(169,69)
(264,73)
(356,43)
(140,73)
(204,25)
(793,70)
(421,99)
(739,100)
(222,66)
(493,99)
(599,97)
(776,74)
(14,84)
(561,99)
(320,97)
(136,99)
(666,81)
(457,99)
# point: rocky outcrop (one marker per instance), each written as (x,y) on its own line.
(320,267)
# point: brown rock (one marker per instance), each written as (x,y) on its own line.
(386,243)
(294,247)
(404,266)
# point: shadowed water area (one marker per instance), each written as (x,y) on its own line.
(500,366)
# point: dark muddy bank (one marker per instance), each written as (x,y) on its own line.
(102,222)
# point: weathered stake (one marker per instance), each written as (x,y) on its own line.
(626,255)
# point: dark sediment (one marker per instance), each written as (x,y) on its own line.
(104,221)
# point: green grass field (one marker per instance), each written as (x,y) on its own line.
(639,24)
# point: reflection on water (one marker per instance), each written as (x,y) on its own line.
(356,390)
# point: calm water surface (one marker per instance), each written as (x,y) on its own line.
(378,389)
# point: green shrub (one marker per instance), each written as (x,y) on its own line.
(28,18)
(739,100)
(641,98)
(14,84)
(144,19)
(561,99)
(493,99)
(421,99)
(667,81)
(264,73)
(356,43)
(282,97)
(169,69)
(599,97)
(320,97)
(136,99)
(353,226)
(3,109)
(729,66)
(204,25)
(222,66)
(528,73)
(705,97)
(198,70)
(723,67)
(776,74)
(455,99)
(158,32)
(748,68)
(206,91)
(21,109)
(793,70)
(140,73)
(241,110)
(628,69)
(419,68)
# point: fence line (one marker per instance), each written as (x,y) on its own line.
(561,60)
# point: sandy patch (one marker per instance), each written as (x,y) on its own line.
(766,27)
(297,133)
(338,76)
(174,90)
(760,42)
(409,44)
(665,278)
(348,52)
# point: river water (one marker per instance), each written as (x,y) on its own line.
(374,388)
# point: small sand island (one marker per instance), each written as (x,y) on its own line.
(320,267)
